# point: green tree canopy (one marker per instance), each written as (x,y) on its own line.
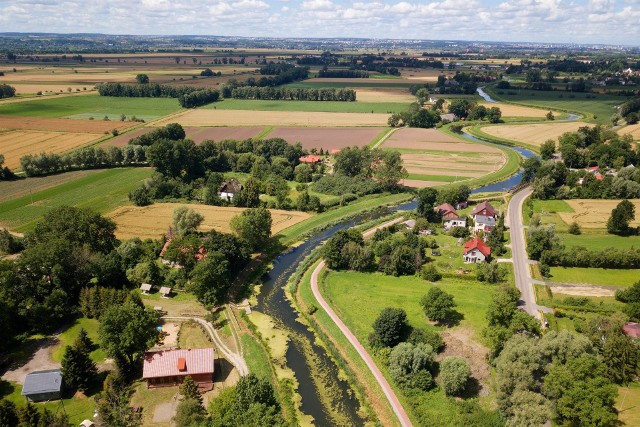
(454,374)
(186,220)
(389,328)
(253,226)
(437,304)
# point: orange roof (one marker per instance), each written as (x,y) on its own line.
(310,159)
(169,363)
(477,243)
(599,177)
(182,364)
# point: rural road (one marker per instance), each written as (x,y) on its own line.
(384,384)
(233,358)
(521,271)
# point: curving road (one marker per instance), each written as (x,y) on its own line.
(521,271)
(384,384)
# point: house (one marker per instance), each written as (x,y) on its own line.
(599,176)
(484,209)
(483,223)
(593,169)
(310,159)
(448,116)
(43,385)
(447,211)
(462,205)
(476,250)
(165,291)
(455,222)
(632,329)
(229,189)
(146,288)
(170,367)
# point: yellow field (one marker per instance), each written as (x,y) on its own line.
(594,213)
(206,117)
(15,144)
(510,110)
(633,130)
(533,134)
(154,221)
(384,95)
(453,164)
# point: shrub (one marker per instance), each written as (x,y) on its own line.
(454,374)
(575,229)
(389,328)
(430,273)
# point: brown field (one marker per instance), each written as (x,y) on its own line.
(453,164)
(206,117)
(22,89)
(433,139)
(154,221)
(197,134)
(384,95)
(16,144)
(534,134)
(62,125)
(511,110)
(594,213)
(416,183)
(327,138)
(633,130)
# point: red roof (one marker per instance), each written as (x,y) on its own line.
(486,208)
(168,363)
(599,177)
(632,329)
(310,159)
(593,168)
(477,243)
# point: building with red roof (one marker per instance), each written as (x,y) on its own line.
(447,211)
(484,209)
(475,250)
(312,158)
(632,329)
(169,367)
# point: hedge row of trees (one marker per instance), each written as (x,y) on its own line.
(198,98)
(293,94)
(5,172)
(143,90)
(343,74)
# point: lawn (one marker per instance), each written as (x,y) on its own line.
(84,107)
(628,404)
(595,276)
(102,191)
(256,357)
(69,336)
(149,398)
(308,106)
(598,108)
(192,335)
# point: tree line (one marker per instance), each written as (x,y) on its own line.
(343,74)
(188,97)
(293,94)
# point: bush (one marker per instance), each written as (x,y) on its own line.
(437,304)
(338,185)
(426,336)
(389,328)
(462,232)
(454,374)
(575,229)
(430,273)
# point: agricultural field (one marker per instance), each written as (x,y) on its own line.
(153,221)
(309,106)
(96,106)
(384,95)
(633,130)
(511,110)
(197,134)
(327,138)
(18,143)
(101,190)
(209,117)
(62,125)
(534,134)
(17,188)
(595,276)
(594,213)
(434,158)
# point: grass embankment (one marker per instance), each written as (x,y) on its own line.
(101,191)
(84,107)
(308,106)
(596,109)
(69,336)
(476,130)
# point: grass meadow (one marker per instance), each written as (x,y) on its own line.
(69,336)
(308,106)
(595,276)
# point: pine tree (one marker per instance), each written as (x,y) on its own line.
(84,342)
(28,416)
(78,370)
(8,413)
(189,390)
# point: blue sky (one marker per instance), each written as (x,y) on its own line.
(577,21)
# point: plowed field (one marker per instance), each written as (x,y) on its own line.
(197,134)
(327,138)
(533,134)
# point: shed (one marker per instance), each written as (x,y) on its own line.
(165,291)
(87,423)
(145,288)
(43,385)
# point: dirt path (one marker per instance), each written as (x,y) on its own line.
(460,343)
(40,360)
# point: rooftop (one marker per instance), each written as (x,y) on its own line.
(42,382)
(168,363)
(477,243)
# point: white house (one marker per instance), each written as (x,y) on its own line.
(484,223)
(229,189)
(475,251)
(456,222)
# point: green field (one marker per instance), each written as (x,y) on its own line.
(256,357)
(308,106)
(96,106)
(69,336)
(437,178)
(597,109)
(595,276)
(102,191)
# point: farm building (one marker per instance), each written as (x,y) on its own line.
(170,367)
(447,211)
(145,288)
(310,159)
(455,222)
(632,329)
(409,224)
(476,250)
(229,189)
(43,385)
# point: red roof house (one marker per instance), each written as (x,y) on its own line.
(310,159)
(475,250)
(447,211)
(632,329)
(484,209)
(169,367)
(593,168)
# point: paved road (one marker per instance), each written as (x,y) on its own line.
(384,384)
(522,274)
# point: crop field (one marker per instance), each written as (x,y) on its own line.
(633,130)
(13,189)
(197,134)
(153,221)
(452,165)
(594,213)
(209,117)
(309,106)
(62,125)
(386,95)
(327,138)
(102,190)
(15,144)
(356,84)
(532,134)
(595,276)
(511,110)
(433,139)
(87,106)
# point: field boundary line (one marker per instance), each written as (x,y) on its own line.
(384,138)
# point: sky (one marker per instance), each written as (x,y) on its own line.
(547,21)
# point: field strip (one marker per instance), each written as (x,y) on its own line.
(384,138)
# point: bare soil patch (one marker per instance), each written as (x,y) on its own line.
(594,213)
(207,117)
(582,291)
(154,221)
(62,125)
(433,139)
(534,134)
(327,138)
(197,134)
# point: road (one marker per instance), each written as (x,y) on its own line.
(522,274)
(384,384)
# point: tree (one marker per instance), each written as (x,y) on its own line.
(253,226)
(332,251)
(629,295)
(550,116)
(427,198)
(8,413)
(620,218)
(490,272)
(494,115)
(28,416)
(548,149)
(189,413)
(186,220)
(422,95)
(126,332)
(402,262)
(210,279)
(407,360)
(141,196)
(437,304)
(574,228)
(539,240)
(387,169)
(189,390)
(142,79)
(621,357)
(454,374)
(430,272)
(78,370)
(461,107)
(389,328)
(249,196)
(112,403)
